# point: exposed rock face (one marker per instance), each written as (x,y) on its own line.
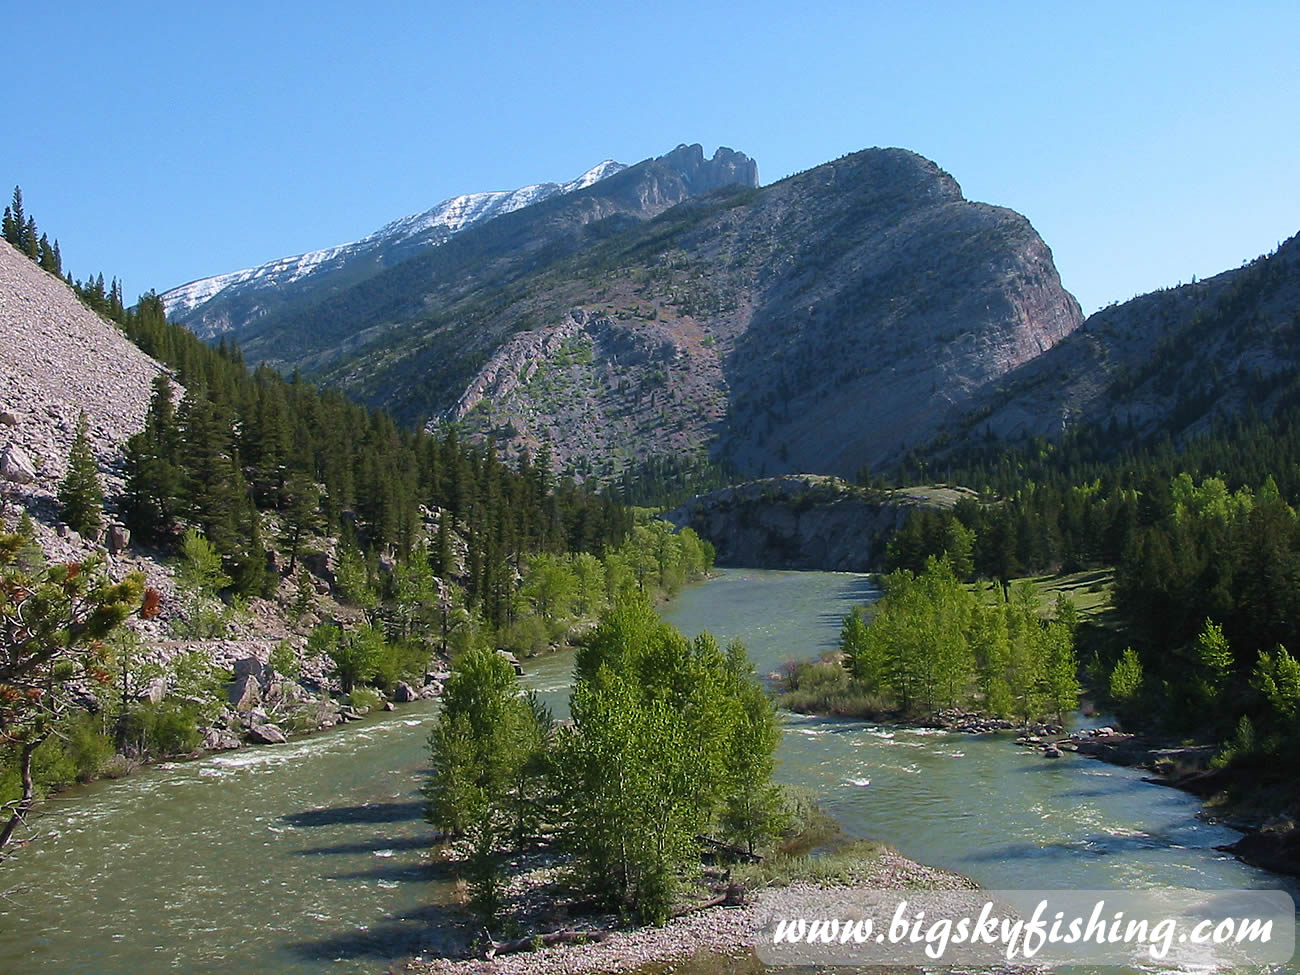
(57,360)
(803,521)
(267,734)
(16,466)
(827,322)
(245,693)
(1168,361)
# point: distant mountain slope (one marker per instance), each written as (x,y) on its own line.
(1164,362)
(229,302)
(481,259)
(823,323)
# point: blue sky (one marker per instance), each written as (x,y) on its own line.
(162,142)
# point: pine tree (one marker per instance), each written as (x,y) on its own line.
(17,224)
(80,494)
(31,243)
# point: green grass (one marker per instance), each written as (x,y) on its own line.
(854,862)
(1089,590)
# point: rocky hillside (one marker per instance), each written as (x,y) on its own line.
(229,302)
(805,521)
(58,359)
(1165,362)
(826,322)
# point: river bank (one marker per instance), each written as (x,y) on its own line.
(717,931)
(1266,815)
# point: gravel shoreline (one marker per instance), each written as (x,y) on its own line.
(715,931)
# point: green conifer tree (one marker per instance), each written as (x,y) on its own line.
(81,497)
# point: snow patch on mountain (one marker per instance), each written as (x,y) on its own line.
(436,225)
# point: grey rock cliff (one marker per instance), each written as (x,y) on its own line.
(804,521)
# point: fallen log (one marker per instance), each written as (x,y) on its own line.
(565,937)
(734,897)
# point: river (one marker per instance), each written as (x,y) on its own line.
(308,857)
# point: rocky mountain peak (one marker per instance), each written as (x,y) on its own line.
(727,168)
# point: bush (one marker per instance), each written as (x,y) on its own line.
(526,637)
(364,699)
(402,660)
(824,687)
(284,661)
(78,753)
(169,727)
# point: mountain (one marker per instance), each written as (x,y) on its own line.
(826,322)
(228,302)
(1167,362)
(478,261)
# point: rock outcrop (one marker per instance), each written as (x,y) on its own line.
(59,359)
(804,522)
(1170,361)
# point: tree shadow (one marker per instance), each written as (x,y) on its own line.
(405,873)
(370,812)
(369,846)
(433,929)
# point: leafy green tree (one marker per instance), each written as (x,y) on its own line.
(550,587)
(81,496)
(356,654)
(53,624)
(200,570)
(754,809)
(355,581)
(1126,678)
(485,735)
(1061,684)
(1214,656)
(589,578)
(1277,676)
(627,776)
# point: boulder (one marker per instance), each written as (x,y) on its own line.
(154,691)
(404,693)
(16,466)
(8,419)
(267,734)
(119,537)
(1051,751)
(250,667)
(220,740)
(245,693)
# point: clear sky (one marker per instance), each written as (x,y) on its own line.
(162,142)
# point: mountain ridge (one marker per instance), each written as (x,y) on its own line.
(185,303)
